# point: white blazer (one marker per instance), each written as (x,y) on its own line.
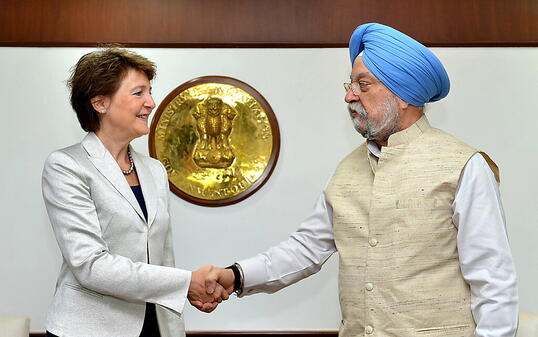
(106,244)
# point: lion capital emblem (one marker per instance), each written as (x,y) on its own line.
(214,125)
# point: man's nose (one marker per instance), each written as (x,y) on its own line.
(350,96)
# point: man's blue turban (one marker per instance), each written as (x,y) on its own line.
(409,69)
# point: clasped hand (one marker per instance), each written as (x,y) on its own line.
(210,286)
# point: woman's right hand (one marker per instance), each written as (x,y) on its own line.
(197,294)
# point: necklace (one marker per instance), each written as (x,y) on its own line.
(130,170)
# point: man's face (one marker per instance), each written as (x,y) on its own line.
(373,108)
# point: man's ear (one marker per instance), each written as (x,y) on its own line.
(100,103)
(402,104)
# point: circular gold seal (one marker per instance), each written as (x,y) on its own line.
(218,139)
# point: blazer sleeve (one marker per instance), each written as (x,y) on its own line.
(77,229)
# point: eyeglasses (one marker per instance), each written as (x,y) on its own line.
(356,87)
(353,86)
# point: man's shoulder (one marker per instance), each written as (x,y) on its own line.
(355,157)
(359,152)
(446,141)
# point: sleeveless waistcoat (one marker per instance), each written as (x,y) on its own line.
(392,219)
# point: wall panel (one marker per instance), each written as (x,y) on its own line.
(250,23)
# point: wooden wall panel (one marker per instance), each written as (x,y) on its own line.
(259,23)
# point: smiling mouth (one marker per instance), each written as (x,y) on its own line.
(142,116)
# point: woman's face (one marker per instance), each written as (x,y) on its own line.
(128,109)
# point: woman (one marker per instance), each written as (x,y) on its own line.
(108,206)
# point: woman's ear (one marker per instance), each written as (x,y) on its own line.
(100,103)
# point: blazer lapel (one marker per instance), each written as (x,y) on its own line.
(147,182)
(107,165)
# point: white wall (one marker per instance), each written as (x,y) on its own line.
(492,106)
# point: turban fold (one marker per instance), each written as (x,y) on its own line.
(405,66)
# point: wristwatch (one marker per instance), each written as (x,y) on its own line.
(238,278)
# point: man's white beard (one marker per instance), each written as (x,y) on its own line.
(377,130)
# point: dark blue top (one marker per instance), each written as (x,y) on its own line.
(137,190)
(150,327)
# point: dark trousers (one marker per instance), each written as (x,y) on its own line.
(150,327)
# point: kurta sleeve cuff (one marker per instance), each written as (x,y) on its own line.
(254,274)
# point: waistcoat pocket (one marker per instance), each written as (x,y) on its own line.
(441,330)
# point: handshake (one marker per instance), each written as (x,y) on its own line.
(210,286)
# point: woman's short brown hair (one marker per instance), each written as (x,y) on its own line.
(100,73)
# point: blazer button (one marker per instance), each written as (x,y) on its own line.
(369,286)
(373,242)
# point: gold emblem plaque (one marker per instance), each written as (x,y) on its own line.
(218,139)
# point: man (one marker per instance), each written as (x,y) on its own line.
(414,213)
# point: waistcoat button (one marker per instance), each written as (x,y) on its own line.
(369,329)
(369,286)
(373,242)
